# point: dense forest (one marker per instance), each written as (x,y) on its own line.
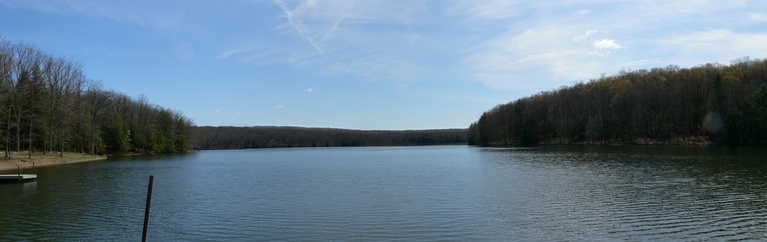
(207,138)
(707,104)
(47,104)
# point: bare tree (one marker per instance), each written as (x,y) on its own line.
(27,59)
(49,100)
(6,80)
(70,86)
(96,101)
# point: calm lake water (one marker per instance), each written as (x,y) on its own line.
(401,193)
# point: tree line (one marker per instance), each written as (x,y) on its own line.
(216,138)
(706,104)
(48,104)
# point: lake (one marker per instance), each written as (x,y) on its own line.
(401,193)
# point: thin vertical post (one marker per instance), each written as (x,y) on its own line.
(33,168)
(146,212)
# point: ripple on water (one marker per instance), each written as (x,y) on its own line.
(401,193)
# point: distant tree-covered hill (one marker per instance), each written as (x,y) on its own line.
(712,103)
(208,138)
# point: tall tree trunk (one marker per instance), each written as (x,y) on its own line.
(30,139)
(92,145)
(61,143)
(50,133)
(18,131)
(8,136)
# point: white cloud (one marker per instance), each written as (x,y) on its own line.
(309,90)
(607,44)
(279,106)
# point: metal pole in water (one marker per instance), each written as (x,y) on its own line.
(146,212)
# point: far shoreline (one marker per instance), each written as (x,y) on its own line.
(21,162)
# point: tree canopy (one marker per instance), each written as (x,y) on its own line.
(48,104)
(711,103)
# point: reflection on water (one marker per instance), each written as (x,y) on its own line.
(647,193)
(401,193)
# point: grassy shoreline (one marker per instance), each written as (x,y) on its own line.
(22,160)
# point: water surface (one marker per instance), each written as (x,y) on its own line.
(401,193)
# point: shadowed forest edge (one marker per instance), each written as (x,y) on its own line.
(706,104)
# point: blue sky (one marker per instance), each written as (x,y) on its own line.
(373,64)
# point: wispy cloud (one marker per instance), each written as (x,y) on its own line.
(588,33)
(546,49)
(232,52)
(148,14)
(491,9)
(532,59)
(502,44)
(373,40)
(488,50)
(723,44)
(297,25)
(757,17)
